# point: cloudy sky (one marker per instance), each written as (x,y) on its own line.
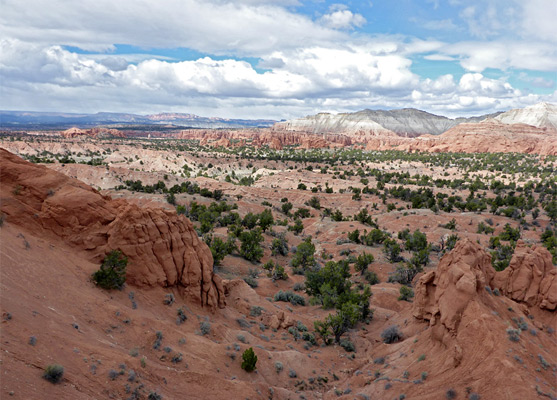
(276,58)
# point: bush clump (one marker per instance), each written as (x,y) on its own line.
(53,373)
(347,345)
(204,328)
(291,297)
(112,273)
(391,335)
(249,360)
(406,293)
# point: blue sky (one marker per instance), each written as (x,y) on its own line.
(277,58)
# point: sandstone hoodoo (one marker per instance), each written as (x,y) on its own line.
(530,278)
(470,317)
(162,247)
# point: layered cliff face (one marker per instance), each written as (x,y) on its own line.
(264,137)
(162,247)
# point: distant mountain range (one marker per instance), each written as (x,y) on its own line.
(410,122)
(406,122)
(37,120)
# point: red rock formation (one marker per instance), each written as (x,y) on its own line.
(455,290)
(265,137)
(275,144)
(445,295)
(162,247)
(487,136)
(224,142)
(93,132)
(530,277)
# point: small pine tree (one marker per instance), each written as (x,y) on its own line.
(249,360)
(112,274)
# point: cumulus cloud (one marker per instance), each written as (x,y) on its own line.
(343,19)
(212,26)
(304,81)
(303,64)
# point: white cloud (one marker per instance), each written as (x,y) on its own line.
(540,19)
(477,56)
(343,19)
(212,26)
(303,82)
(309,64)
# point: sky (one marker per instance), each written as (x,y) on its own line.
(277,59)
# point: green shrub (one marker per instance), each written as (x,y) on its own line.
(112,273)
(363,261)
(304,256)
(404,274)
(250,247)
(279,245)
(451,241)
(266,219)
(298,226)
(347,345)
(392,250)
(514,334)
(406,293)
(251,281)
(371,277)
(53,373)
(249,360)
(291,297)
(220,249)
(275,271)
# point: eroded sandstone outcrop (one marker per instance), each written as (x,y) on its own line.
(443,296)
(530,277)
(162,247)
(456,299)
